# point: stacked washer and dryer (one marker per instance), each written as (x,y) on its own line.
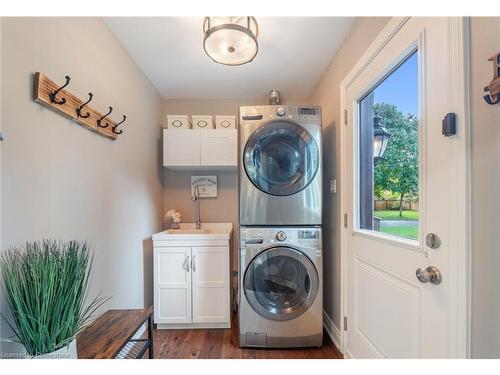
(281,297)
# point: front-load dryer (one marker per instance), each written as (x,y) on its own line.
(280,165)
(281,297)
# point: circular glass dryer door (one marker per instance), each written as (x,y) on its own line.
(281,283)
(281,158)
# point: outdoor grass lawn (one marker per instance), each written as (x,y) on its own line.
(394,215)
(407,232)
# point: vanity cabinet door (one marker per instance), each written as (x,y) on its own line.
(211,303)
(172,285)
(219,148)
(181,148)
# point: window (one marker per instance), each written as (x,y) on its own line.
(388,182)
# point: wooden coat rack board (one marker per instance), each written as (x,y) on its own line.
(53,96)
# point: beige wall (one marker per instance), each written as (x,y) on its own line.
(327,95)
(485,152)
(60,180)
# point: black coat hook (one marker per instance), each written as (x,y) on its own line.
(121,122)
(79,109)
(52,95)
(488,99)
(103,117)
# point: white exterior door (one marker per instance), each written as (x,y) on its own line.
(210,267)
(389,313)
(173,285)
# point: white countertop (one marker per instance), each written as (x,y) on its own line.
(187,231)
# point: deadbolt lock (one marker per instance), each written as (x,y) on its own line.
(430,274)
(432,240)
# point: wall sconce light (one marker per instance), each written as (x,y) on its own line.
(380,138)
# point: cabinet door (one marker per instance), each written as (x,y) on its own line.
(181,148)
(219,148)
(211,302)
(172,285)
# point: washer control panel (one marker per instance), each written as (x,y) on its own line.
(281,236)
(258,237)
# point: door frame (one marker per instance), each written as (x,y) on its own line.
(460,104)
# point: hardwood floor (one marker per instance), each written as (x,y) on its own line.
(223,344)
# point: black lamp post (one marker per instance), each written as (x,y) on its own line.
(380,138)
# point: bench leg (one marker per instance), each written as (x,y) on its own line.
(150,336)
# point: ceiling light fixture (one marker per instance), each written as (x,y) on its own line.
(231,40)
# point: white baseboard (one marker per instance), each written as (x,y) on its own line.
(331,329)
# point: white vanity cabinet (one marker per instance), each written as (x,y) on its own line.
(173,295)
(191,281)
(200,149)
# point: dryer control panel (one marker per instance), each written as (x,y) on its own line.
(301,114)
(309,113)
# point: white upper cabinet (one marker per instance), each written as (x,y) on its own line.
(198,149)
(181,148)
(219,148)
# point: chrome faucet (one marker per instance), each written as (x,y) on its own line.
(196,198)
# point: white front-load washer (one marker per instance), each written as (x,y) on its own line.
(281,297)
(280,165)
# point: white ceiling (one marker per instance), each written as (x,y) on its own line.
(293,54)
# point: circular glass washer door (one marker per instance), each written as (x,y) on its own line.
(281,283)
(281,158)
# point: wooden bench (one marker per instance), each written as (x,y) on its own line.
(112,335)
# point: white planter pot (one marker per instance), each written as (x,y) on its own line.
(67,352)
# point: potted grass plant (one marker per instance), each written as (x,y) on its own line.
(46,284)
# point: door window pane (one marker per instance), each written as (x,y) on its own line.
(388,154)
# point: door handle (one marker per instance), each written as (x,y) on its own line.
(430,274)
(187,263)
(193,263)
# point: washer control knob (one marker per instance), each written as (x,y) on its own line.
(280,111)
(281,236)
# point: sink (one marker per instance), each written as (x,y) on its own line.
(187,231)
(215,231)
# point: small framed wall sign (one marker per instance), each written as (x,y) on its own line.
(207,186)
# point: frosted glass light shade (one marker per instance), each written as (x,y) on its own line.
(230,40)
(380,138)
